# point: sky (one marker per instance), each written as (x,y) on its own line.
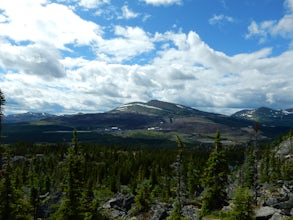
(70,56)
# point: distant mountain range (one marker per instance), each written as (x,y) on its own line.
(25,117)
(153,119)
(267,116)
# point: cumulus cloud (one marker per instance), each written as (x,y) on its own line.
(36,21)
(282,27)
(163,2)
(39,71)
(41,60)
(129,42)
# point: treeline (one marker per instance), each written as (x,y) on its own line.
(73,181)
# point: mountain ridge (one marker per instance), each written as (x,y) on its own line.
(164,118)
(267,116)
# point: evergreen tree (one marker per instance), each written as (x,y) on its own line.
(12,203)
(7,195)
(242,205)
(72,206)
(2,103)
(180,190)
(215,179)
(250,170)
(143,197)
(176,213)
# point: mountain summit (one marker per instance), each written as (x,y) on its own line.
(156,107)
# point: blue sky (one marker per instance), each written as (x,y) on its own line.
(69,56)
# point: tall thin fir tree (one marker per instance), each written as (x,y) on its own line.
(215,179)
(2,103)
(180,189)
(72,206)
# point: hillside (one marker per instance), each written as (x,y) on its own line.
(267,116)
(25,117)
(139,122)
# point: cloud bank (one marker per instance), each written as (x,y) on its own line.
(42,70)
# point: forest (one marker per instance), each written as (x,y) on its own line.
(73,181)
(90,181)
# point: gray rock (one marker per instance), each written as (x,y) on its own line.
(120,202)
(160,212)
(286,205)
(265,212)
(285,148)
(277,216)
(191,212)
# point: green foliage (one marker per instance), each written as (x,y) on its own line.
(143,197)
(12,202)
(72,206)
(2,103)
(242,205)
(250,169)
(175,214)
(214,179)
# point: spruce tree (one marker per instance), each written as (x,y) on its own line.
(72,205)
(215,179)
(2,103)
(242,208)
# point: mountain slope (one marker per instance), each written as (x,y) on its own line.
(267,116)
(142,120)
(25,117)
(155,107)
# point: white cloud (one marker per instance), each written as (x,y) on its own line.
(127,13)
(282,27)
(163,2)
(41,60)
(90,4)
(129,42)
(44,26)
(38,72)
(220,19)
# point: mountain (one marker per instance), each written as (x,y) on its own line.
(139,122)
(155,107)
(25,117)
(267,116)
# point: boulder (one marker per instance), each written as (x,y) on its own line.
(160,211)
(120,202)
(286,205)
(277,216)
(190,212)
(265,212)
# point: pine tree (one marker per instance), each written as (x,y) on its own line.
(12,203)
(7,195)
(143,197)
(215,179)
(242,205)
(180,188)
(2,103)
(250,170)
(72,206)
